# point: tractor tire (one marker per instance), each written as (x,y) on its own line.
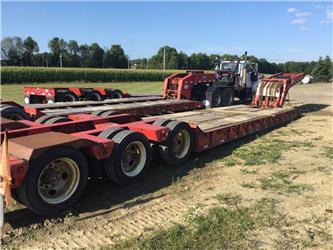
(227,97)
(213,97)
(130,159)
(13,113)
(66,96)
(198,92)
(177,148)
(55,181)
(57,119)
(115,94)
(93,96)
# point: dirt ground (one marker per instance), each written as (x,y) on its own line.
(297,175)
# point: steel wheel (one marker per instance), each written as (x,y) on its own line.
(181,143)
(177,148)
(58,180)
(133,158)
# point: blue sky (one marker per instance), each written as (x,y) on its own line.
(278,31)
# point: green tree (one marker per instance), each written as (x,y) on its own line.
(182,60)
(84,54)
(200,61)
(58,48)
(12,51)
(73,50)
(171,60)
(322,71)
(31,47)
(115,57)
(96,56)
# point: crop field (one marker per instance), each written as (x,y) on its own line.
(270,190)
(38,74)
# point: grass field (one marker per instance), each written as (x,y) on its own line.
(14,92)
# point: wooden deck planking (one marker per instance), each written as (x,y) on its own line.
(210,119)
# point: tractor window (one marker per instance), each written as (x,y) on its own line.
(229,66)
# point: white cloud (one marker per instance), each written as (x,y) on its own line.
(299,17)
(328,19)
(329,15)
(298,21)
(292,10)
(302,14)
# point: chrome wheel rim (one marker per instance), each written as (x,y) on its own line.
(133,158)
(58,180)
(181,143)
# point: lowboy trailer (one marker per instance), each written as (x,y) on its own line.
(50,163)
(52,156)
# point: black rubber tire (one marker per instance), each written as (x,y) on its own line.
(44,118)
(161,122)
(214,97)
(155,146)
(198,92)
(115,94)
(57,119)
(28,193)
(98,112)
(109,133)
(108,113)
(166,148)
(227,97)
(112,165)
(93,96)
(13,113)
(66,96)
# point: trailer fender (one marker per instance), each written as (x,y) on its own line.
(31,146)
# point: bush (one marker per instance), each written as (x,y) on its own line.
(34,74)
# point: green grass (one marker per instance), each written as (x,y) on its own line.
(246,171)
(14,92)
(229,198)
(266,151)
(329,152)
(219,228)
(248,185)
(230,162)
(281,182)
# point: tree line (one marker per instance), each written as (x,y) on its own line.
(16,51)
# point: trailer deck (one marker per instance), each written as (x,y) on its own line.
(139,106)
(216,118)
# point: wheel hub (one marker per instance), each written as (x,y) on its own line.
(58,180)
(133,158)
(181,143)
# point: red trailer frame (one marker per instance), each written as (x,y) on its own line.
(49,94)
